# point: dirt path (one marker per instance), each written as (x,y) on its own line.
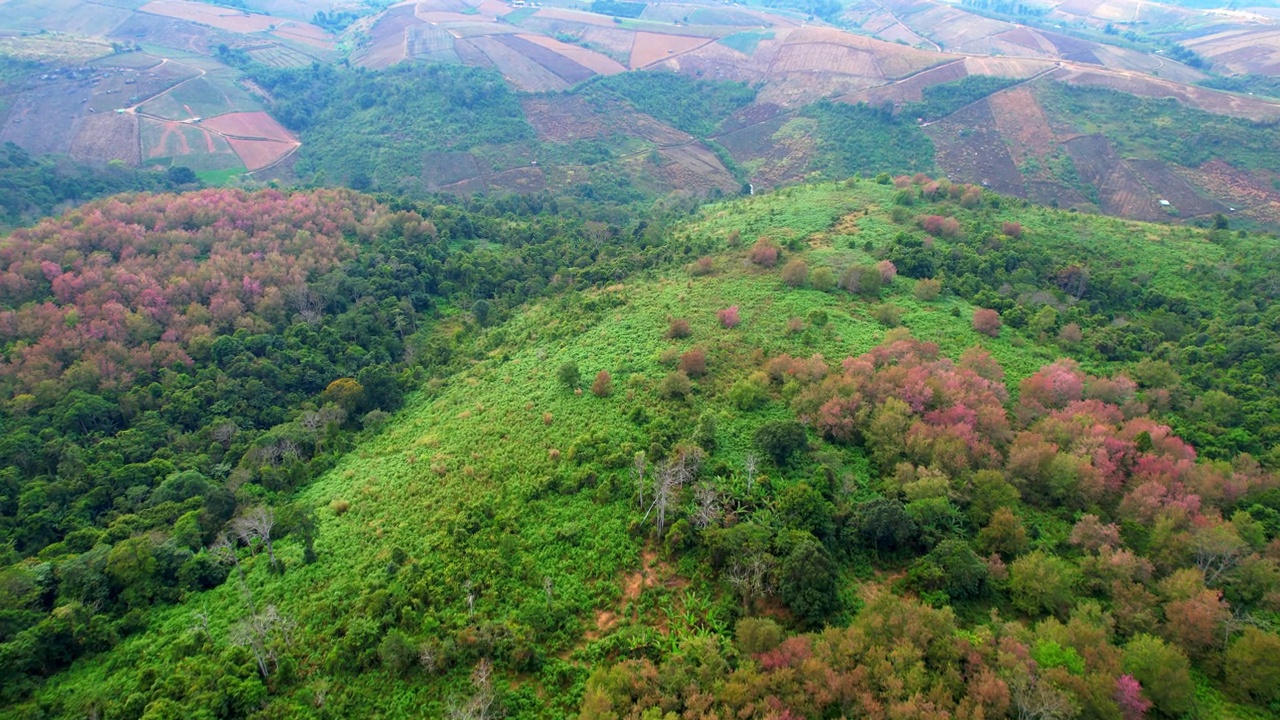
(1056,67)
(907,27)
(200,73)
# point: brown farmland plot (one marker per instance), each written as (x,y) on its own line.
(522,71)
(564,68)
(651,48)
(107,136)
(386,45)
(258,154)
(250,126)
(594,61)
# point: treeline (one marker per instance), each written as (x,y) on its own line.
(174,364)
(31,188)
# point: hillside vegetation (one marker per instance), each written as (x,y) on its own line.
(891,448)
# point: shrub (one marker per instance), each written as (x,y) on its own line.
(928,289)
(678,328)
(747,394)
(339,506)
(729,317)
(795,273)
(704,435)
(675,385)
(569,374)
(1011,229)
(764,253)
(862,280)
(939,226)
(986,321)
(757,635)
(396,653)
(694,362)
(822,279)
(374,419)
(888,315)
(702,266)
(780,440)
(1070,334)
(795,326)
(603,385)
(888,271)
(546,418)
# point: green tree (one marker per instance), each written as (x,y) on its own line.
(1163,670)
(1253,666)
(1040,582)
(808,583)
(569,375)
(780,440)
(803,508)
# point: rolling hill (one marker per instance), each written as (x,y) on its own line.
(905,409)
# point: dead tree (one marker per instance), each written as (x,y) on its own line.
(307,302)
(637,474)
(752,577)
(256,525)
(669,477)
(706,509)
(750,463)
(480,705)
(263,633)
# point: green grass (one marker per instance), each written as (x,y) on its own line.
(745,42)
(219,177)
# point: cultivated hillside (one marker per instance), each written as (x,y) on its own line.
(569,99)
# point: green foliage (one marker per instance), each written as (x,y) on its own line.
(943,99)
(808,584)
(1049,654)
(781,440)
(756,635)
(1040,582)
(857,139)
(686,103)
(1163,671)
(569,375)
(618,8)
(383,123)
(34,187)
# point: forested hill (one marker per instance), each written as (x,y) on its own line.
(891,448)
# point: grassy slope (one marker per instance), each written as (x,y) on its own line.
(477,445)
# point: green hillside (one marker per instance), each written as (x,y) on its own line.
(985,504)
